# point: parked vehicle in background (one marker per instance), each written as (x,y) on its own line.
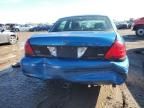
(82,49)
(122,25)
(1,27)
(129,24)
(24,28)
(10,27)
(40,28)
(138,26)
(7,36)
(18,27)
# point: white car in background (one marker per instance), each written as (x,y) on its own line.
(23,28)
(7,36)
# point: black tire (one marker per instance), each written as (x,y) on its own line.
(17,30)
(12,40)
(140,32)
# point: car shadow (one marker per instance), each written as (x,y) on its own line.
(136,51)
(7,44)
(132,38)
(3,44)
(70,96)
(136,74)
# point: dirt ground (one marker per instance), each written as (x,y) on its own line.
(129,95)
(135,48)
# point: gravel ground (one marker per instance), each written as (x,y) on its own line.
(136,71)
(19,91)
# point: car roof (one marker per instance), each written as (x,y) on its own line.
(71,17)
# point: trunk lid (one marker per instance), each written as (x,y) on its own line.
(74,39)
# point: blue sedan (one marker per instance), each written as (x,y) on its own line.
(82,49)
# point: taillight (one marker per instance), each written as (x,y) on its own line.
(28,49)
(116,52)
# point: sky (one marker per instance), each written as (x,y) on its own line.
(48,11)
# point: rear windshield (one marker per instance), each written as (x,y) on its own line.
(90,23)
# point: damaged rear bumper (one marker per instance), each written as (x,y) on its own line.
(79,71)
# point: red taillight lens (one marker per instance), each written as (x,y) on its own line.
(116,52)
(28,49)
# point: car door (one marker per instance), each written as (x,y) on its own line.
(3,37)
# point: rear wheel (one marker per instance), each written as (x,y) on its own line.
(140,32)
(17,30)
(12,40)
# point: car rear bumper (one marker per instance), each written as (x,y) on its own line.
(80,71)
